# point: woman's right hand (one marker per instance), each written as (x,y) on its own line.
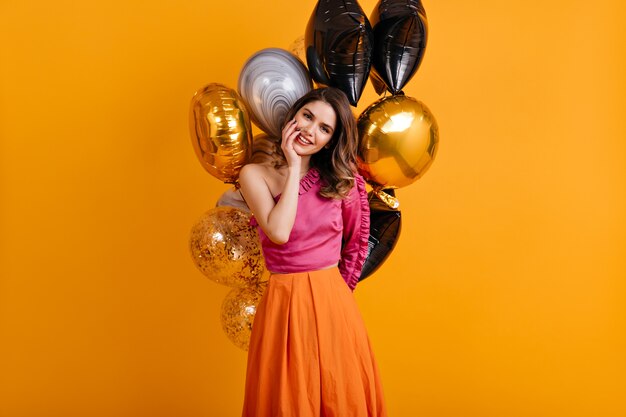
(289,136)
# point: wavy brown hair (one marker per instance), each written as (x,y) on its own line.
(337,163)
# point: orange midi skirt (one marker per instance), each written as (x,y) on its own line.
(309,354)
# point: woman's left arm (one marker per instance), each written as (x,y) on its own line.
(355,212)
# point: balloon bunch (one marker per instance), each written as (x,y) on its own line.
(398,136)
(223,245)
(226,249)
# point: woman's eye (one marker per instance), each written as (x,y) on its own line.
(324,130)
(308,116)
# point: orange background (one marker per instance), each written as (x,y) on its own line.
(504,297)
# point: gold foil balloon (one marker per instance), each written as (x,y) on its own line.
(220,129)
(238,311)
(225,248)
(398,141)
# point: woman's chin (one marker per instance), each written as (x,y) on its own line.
(300,150)
(304,153)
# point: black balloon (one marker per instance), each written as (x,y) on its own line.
(385,225)
(338,43)
(400,35)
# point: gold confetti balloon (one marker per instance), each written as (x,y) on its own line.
(226,249)
(238,311)
(221,133)
(398,141)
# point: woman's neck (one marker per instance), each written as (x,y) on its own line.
(305,165)
(302,171)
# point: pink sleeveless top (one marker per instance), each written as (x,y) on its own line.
(326,231)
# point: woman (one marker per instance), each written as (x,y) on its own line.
(309,352)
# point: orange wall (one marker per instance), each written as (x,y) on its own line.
(504,297)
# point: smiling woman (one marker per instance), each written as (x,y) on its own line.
(505,295)
(309,352)
(315,123)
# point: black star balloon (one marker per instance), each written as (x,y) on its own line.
(400,34)
(385,226)
(338,43)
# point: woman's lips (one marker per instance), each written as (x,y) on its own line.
(304,141)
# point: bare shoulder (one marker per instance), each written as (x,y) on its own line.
(255,175)
(252,176)
(258,190)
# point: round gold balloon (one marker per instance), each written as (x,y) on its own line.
(220,129)
(226,248)
(238,311)
(398,141)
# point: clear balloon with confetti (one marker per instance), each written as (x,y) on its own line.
(226,248)
(238,311)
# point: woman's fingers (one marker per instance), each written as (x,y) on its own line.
(289,134)
(289,127)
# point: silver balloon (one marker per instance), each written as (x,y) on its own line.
(270,82)
(232,198)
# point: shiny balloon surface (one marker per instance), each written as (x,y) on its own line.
(220,129)
(226,248)
(238,311)
(385,227)
(232,198)
(400,34)
(338,42)
(398,141)
(270,82)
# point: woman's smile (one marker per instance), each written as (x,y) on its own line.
(303,141)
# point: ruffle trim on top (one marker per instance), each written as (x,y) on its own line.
(311,178)
(364,232)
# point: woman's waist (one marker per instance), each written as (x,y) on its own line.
(301,256)
(300,270)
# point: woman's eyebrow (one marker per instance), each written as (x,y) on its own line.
(329,127)
(313,114)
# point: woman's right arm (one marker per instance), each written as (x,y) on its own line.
(276,219)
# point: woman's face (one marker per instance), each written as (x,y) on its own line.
(316,122)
